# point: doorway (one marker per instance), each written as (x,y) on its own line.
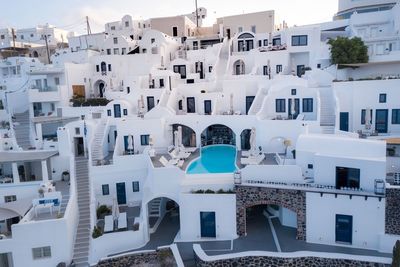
(79,147)
(344,121)
(121,193)
(117,111)
(208,226)
(150,103)
(381,121)
(294,115)
(101,89)
(249,102)
(200,69)
(344,229)
(207,107)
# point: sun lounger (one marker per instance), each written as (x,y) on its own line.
(253,160)
(108,224)
(122,222)
(167,163)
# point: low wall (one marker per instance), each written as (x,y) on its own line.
(160,257)
(287,259)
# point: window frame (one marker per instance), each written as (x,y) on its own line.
(144,139)
(41,252)
(383,98)
(105,189)
(298,40)
(135,186)
(280,105)
(396,116)
(308,105)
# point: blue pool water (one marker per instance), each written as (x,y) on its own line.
(214,159)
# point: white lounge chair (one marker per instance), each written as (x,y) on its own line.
(188,149)
(300,117)
(108,224)
(122,222)
(167,163)
(253,160)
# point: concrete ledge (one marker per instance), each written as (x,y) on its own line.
(300,258)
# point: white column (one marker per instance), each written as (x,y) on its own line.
(15,173)
(198,140)
(45,174)
(238,142)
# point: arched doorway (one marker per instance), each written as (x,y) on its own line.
(245,139)
(35,54)
(188,135)
(218,134)
(163,221)
(239,67)
(99,88)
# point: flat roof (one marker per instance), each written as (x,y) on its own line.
(46,119)
(18,156)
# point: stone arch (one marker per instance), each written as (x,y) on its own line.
(189,135)
(245,139)
(35,54)
(218,134)
(239,68)
(99,88)
(246,35)
(250,196)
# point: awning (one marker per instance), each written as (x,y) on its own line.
(15,208)
(19,156)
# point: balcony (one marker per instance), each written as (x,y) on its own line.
(48,94)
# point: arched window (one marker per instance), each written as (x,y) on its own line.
(103,67)
(246,35)
(239,68)
(35,54)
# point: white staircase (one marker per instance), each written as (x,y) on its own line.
(22,128)
(155,208)
(222,64)
(327,112)
(82,238)
(258,101)
(97,143)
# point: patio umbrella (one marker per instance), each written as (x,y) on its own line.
(293,67)
(115,209)
(130,142)
(180,136)
(176,139)
(253,145)
(231,104)
(368,118)
(293,107)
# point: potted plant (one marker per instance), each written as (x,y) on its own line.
(65,176)
(41,192)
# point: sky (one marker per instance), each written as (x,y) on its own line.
(70,14)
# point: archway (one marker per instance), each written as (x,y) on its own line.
(245,139)
(163,221)
(188,135)
(218,134)
(239,67)
(35,54)
(290,200)
(99,88)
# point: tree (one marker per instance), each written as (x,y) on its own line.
(348,51)
(396,255)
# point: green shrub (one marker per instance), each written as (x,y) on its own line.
(396,254)
(102,211)
(96,232)
(348,51)
(209,191)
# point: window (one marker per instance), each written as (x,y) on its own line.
(210,68)
(175,31)
(123,52)
(10,198)
(97,68)
(2,37)
(276,41)
(115,40)
(308,105)
(108,51)
(125,112)
(22,37)
(265,70)
(162,83)
(253,29)
(153,40)
(144,139)
(135,186)
(299,40)
(265,42)
(294,92)
(1,105)
(116,51)
(181,69)
(113,28)
(363,113)
(109,67)
(126,23)
(280,105)
(195,45)
(278,69)
(382,98)
(347,178)
(42,252)
(77,131)
(240,29)
(259,43)
(105,188)
(310,166)
(396,116)
(56,81)
(344,229)
(109,112)
(318,65)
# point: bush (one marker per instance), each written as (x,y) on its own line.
(209,191)
(348,51)
(96,232)
(102,211)
(78,101)
(396,254)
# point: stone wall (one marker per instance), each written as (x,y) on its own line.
(249,196)
(161,257)
(392,212)
(286,262)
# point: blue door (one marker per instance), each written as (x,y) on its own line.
(249,102)
(381,120)
(207,107)
(344,228)
(344,121)
(121,194)
(117,111)
(207,222)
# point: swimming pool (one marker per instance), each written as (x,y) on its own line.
(214,159)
